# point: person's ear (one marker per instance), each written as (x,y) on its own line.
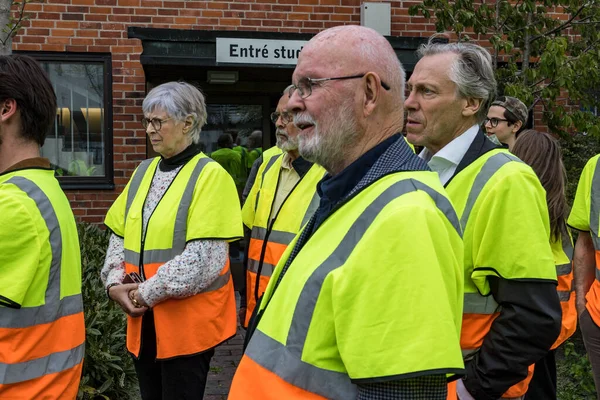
(372,91)
(187,124)
(472,106)
(516,126)
(8,108)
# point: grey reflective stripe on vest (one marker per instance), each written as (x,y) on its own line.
(595,208)
(280,237)
(312,207)
(262,179)
(218,283)
(136,181)
(51,364)
(180,229)
(567,247)
(267,269)
(491,166)
(53,308)
(475,303)
(564,295)
(286,360)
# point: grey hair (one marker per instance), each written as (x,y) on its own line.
(287,90)
(472,71)
(179,100)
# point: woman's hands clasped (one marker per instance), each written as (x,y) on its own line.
(123,295)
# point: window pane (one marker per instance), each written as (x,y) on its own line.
(237,119)
(75,145)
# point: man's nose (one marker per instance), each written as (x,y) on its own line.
(295,103)
(410,102)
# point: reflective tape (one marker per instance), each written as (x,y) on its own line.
(595,207)
(53,307)
(280,237)
(53,363)
(563,269)
(312,208)
(277,358)
(55,237)
(26,317)
(286,360)
(564,295)
(218,283)
(262,179)
(491,166)
(267,269)
(136,181)
(477,304)
(180,229)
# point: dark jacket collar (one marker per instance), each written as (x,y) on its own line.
(481,145)
(171,163)
(397,158)
(301,166)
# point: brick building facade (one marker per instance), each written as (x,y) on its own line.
(103,56)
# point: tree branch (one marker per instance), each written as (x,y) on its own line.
(17,25)
(561,26)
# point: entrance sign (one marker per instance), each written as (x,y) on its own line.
(258,51)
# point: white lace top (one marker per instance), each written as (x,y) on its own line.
(185,275)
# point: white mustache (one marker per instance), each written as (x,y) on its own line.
(303,118)
(281,132)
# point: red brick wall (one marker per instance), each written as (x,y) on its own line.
(101,26)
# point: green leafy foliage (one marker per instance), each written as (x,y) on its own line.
(108,371)
(577,150)
(540,58)
(574,372)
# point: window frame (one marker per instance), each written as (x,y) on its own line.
(105,182)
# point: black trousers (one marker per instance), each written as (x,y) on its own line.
(181,378)
(543,382)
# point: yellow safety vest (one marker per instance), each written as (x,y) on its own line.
(357,302)
(585,216)
(41,342)
(201,203)
(269,240)
(506,230)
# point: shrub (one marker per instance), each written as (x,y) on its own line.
(577,150)
(108,371)
(574,372)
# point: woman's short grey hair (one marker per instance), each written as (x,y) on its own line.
(472,72)
(179,100)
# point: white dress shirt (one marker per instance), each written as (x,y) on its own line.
(445,161)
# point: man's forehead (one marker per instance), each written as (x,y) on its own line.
(435,67)
(321,60)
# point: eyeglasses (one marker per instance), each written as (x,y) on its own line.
(304,86)
(156,123)
(286,117)
(494,121)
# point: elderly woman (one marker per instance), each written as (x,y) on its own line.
(170,232)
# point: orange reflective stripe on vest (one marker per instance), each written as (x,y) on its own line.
(42,348)
(189,325)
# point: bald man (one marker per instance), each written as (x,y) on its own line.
(366,302)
